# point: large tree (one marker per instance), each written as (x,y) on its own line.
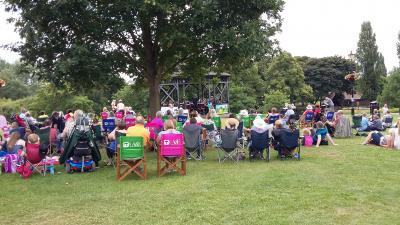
(327,74)
(85,42)
(286,75)
(371,63)
(391,90)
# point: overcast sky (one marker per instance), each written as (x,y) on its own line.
(315,28)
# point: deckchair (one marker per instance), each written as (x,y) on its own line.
(131,151)
(171,153)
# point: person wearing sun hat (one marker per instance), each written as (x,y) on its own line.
(260,127)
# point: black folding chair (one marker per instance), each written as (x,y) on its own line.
(228,147)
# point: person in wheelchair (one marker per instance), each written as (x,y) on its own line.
(285,140)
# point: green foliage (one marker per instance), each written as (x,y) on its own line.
(50,98)
(20,82)
(275,99)
(371,63)
(242,97)
(8,106)
(87,43)
(327,74)
(134,96)
(286,75)
(391,90)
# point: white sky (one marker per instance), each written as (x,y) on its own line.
(319,28)
(315,28)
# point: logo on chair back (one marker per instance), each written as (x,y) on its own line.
(174,142)
(127,144)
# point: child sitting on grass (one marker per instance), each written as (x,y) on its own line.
(321,136)
(307,139)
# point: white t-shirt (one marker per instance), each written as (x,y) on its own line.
(120,106)
(385,110)
(395,133)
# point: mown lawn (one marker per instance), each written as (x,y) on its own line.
(345,184)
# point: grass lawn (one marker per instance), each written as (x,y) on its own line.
(345,184)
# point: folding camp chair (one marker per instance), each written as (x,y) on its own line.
(242,140)
(329,116)
(193,144)
(356,123)
(119,115)
(108,125)
(131,151)
(112,147)
(153,130)
(208,134)
(34,158)
(387,123)
(182,119)
(308,120)
(217,122)
(171,153)
(246,122)
(45,140)
(259,142)
(165,118)
(179,126)
(228,147)
(130,122)
(287,142)
(272,119)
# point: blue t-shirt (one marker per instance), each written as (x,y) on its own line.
(322,131)
(364,123)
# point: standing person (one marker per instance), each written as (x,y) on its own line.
(120,106)
(385,109)
(329,103)
(395,134)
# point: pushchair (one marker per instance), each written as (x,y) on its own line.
(81,152)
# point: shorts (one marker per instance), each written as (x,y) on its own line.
(376,138)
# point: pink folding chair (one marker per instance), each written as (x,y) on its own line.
(130,122)
(104,115)
(119,115)
(172,151)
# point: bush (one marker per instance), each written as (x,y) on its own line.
(275,99)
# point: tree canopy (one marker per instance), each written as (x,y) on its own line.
(327,74)
(286,75)
(371,63)
(87,43)
(391,90)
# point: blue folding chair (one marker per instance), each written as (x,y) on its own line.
(259,142)
(329,116)
(182,119)
(272,119)
(108,125)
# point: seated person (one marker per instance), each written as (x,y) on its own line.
(112,146)
(288,113)
(364,123)
(232,120)
(308,110)
(322,136)
(13,144)
(260,127)
(169,128)
(377,138)
(386,117)
(375,124)
(281,143)
(158,122)
(331,126)
(192,130)
(272,116)
(317,113)
(139,131)
(395,136)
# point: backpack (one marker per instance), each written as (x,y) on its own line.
(10,163)
(24,170)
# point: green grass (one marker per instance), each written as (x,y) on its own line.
(345,184)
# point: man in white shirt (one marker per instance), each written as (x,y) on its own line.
(120,106)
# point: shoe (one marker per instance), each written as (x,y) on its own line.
(189,157)
(296,156)
(261,157)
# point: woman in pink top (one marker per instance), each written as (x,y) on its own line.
(158,122)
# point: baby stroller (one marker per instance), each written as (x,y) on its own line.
(81,152)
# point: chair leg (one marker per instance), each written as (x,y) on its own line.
(118,165)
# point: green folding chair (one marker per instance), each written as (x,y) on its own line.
(179,126)
(217,122)
(165,118)
(246,122)
(131,151)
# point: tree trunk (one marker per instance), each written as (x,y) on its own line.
(154,95)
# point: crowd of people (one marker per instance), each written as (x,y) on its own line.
(320,125)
